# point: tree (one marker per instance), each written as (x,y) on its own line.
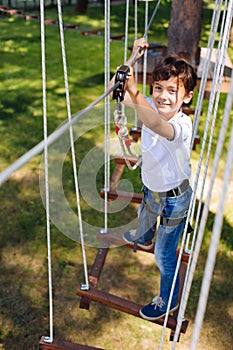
(82,6)
(184,29)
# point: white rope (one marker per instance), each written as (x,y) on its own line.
(136,63)
(106,114)
(214,97)
(27,156)
(132,61)
(72,142)
(182,244)
(126,29)
(179,261)
(146,52)
(43,62)
(216,233)
(207,59)
(133,58)
(191,268)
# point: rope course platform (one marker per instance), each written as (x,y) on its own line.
(63,345)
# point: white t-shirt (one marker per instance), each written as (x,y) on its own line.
(166,163)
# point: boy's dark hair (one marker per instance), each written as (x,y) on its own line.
(174,66)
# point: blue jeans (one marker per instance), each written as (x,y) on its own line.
(167,238)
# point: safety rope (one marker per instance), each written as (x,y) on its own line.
(146,52)
(34,151)
(217,227)
(213,105)
(106,114)
(47,201)
(119,115)
(217,77)
(206,67)
(192,262)
(126,29)
(86,286)
(136,63)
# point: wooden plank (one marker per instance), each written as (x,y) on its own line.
(98,265)
(123,196)
(116,176)
(182,273)
(126,306)
(115,238)
(121,160)
(94,275)
(135,133)
(60,344)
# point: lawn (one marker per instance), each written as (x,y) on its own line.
(24,313)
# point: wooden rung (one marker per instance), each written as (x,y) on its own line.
(116,176)
(125,305)
(60,344)
(94,275)
(91,32)
(121,160)
(135,133)
(115,238)
(182,273)
(98,265)
(197,141)
(123,196)
(117,37)
(188,110)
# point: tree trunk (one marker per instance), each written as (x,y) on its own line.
(184,29)
(82,6)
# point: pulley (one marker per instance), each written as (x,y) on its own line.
(121,76)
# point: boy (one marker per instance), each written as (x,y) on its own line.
(165,143)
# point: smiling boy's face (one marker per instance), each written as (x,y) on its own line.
(169,95)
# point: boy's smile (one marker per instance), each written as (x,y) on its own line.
(169,95)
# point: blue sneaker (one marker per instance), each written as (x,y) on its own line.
(156,309)
(130,237)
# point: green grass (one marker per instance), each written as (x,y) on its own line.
(24,315)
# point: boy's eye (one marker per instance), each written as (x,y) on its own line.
(173,91)
(157,88)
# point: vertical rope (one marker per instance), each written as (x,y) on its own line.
(136,63)
(146,31)
(210,45)
(213,104)
(216,233)
(43,59)
(126,30)
(72,143)
(180,317)
(146,52)
(191,269)
(106,114)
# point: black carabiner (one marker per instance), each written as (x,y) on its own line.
(121,76)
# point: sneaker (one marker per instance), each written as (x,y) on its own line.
(130,237)
(156,309)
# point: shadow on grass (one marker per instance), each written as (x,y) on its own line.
(23,278)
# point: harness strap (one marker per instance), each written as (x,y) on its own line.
(174,222)
(170,222)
